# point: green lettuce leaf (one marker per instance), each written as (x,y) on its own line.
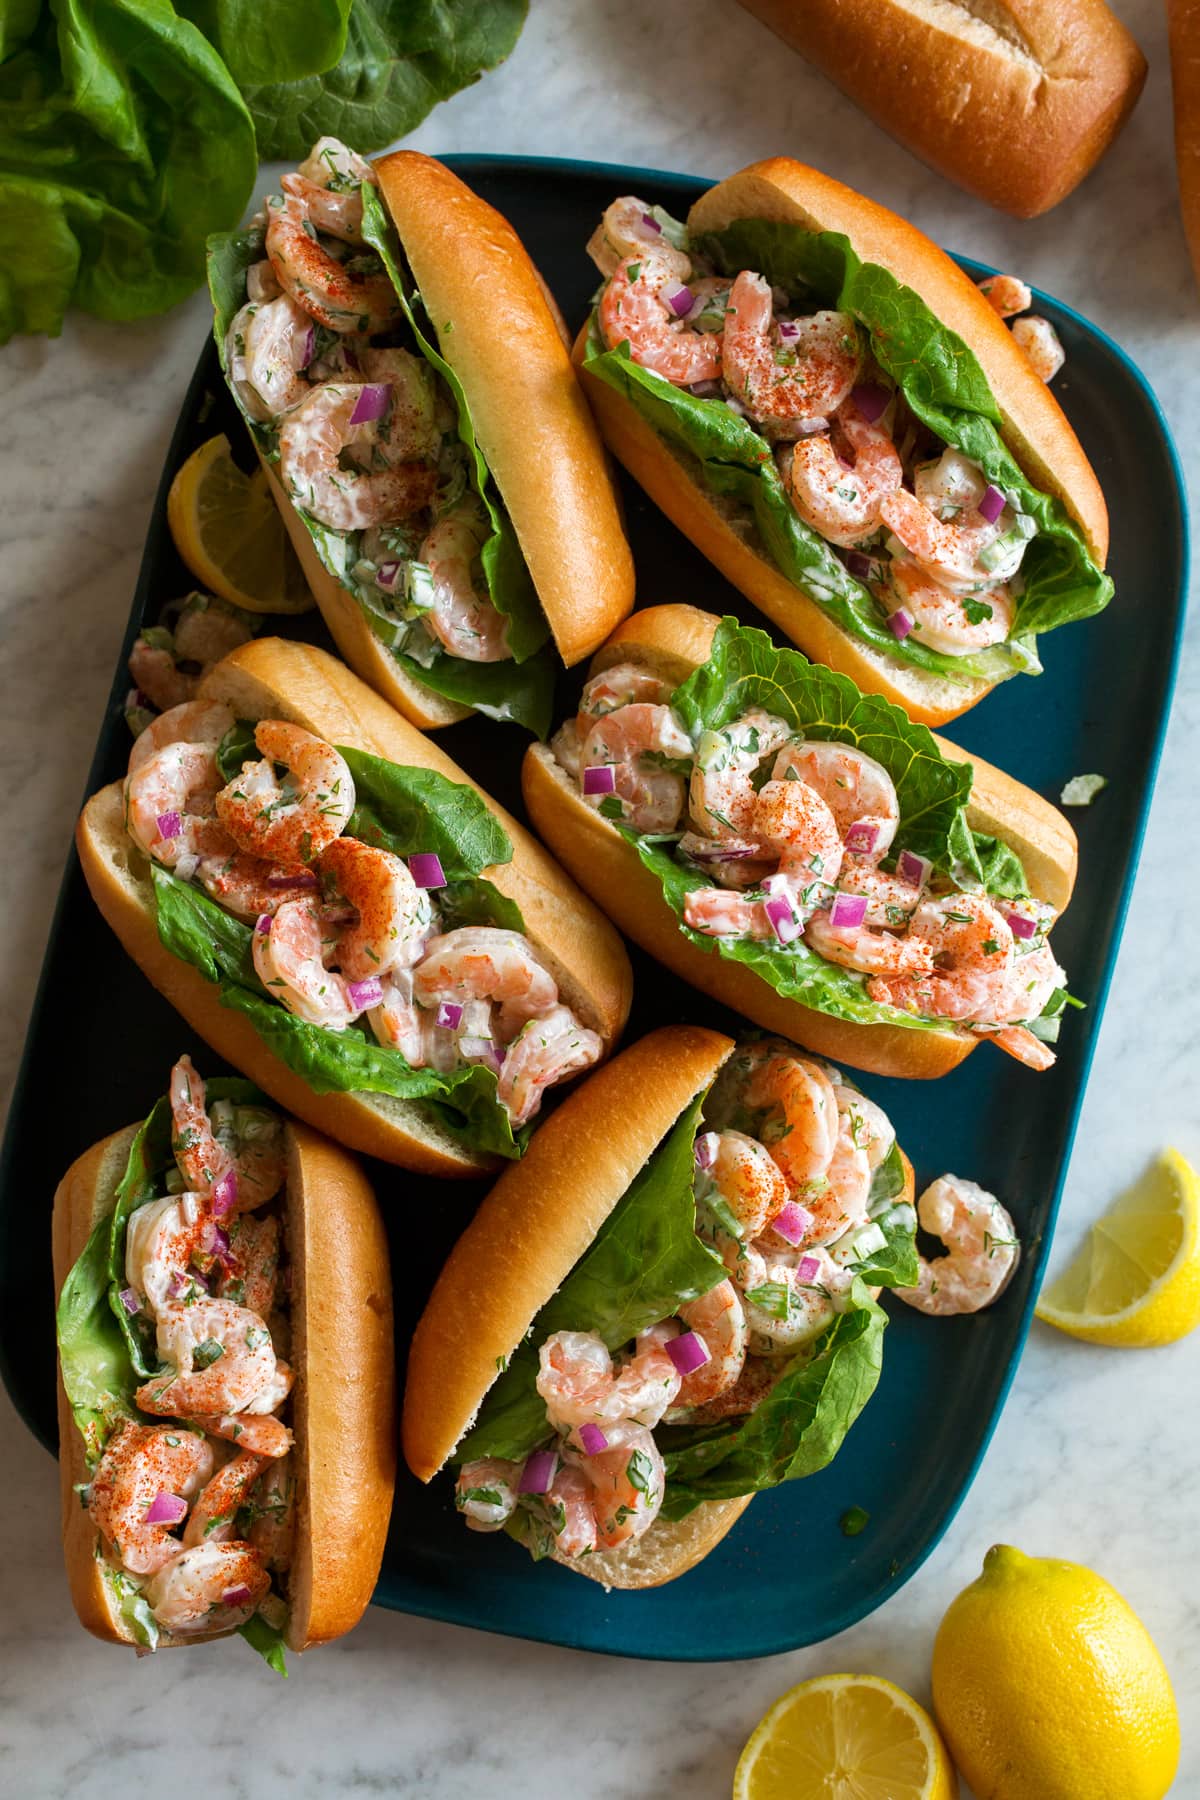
(268,1640)
(97,1374)
(274,43)
(643,1263)
(944,386)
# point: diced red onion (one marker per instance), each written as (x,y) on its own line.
(706,1149)
(236,1596)
(680,299)
(992,504)
(900,623)
(310,346)
(807,1269)
(858,565)
(303,878)
(385,575)
(538,1472)
(168,825)
(426,869)
(225,1194)
(130,1301)
(792,1222)
(448,1015)
(788,330)
(781,916)
(862,838)
(913,868)
(262,925)
(372,403)
(1021,924)
(712,852)
(688,1351)
(871,400)
(216,1242)
(848,911)
(704,390)
(166,1509)
(592,1439)
(651,223)
(602,779)
(365,993)
(181,1284)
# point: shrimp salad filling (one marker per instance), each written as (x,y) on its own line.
(330,356)
(846,432)
(173,1334)
(848,880)
(339,902)
(720,1335)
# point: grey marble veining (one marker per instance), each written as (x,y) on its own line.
(1096,1456)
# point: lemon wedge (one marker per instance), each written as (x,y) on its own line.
(845,1737)
(1136,1281)
(229,532)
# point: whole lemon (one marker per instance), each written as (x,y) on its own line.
(1047,1686)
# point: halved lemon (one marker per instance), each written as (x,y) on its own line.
(845,1737)
(1136,1281)
(229,532)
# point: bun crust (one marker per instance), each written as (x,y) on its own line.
(342,1403)
(536,1223)
(1183,17)
(276,678)
(670,639)
(1015,101)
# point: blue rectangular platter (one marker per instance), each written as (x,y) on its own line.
(1101,705)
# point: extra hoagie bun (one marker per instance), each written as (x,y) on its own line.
(344,1455)
(275,678)
(672,641)
(1016,101)
(497,326)
(531,1230)
(1183,17)
(1033,425)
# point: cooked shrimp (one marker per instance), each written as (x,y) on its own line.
(867,951)
(251,1264)
(338,215)
(951,623)
(333,165)
(312,439)
(891,901)
(209,1587)
(721,796)
(214,1516)
(718,1321)
(787,1301)
(569,1507)
(203,722)
(410,431)
(201,1159)
(842,502)
(858,791)
(482,962)
(748,1179)
(162,1240)
(579,1384)
(842,1203)
(1041,344)
(289,961)
(339,295)
(1020,1043)
(544,1052)
(1008,294)
(168,664)
(272,1506)
(156,673)
(868,1126)
(634,310)
(140,1462)
(268,347)
(486,1492)
(719,913)
(262,283)
(169,806)
(295,822)
(800,1126)
(247,886)
(253,1137)
(731,862)
(619,686)
(982,1248)
(793,820)
(650,796)
(393,915)
(463,618)
(949,549)
(629,229)
(970,946)
(784,369)
(218,1358)
(628,1481)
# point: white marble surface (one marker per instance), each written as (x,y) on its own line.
(1096,1456)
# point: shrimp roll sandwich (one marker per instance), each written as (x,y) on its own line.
(803,852)
(839,418)
(613,1380)
(344,916)
(225,1347)
(407,381)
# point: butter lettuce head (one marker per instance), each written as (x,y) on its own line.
(946,388)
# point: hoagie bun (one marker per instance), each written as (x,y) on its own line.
(343,1455)
(1032,425)
(275,678)
(671,641)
